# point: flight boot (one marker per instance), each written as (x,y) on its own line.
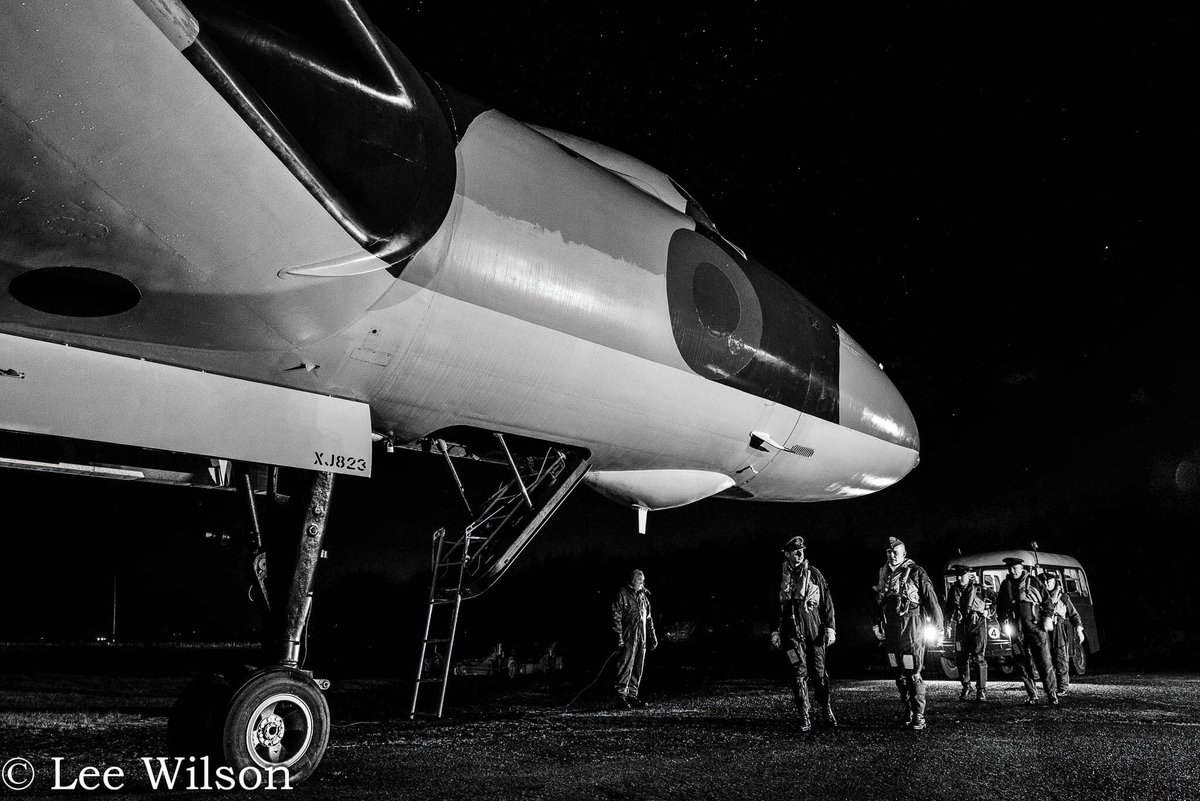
(918,702)
(966,691)
(1031,695)
(905,707)
(981,692)
(825,699)
(1051,688)
(803,705)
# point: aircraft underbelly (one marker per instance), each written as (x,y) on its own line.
(62,391)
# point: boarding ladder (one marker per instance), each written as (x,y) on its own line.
(467,562)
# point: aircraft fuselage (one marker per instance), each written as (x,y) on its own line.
(559,299)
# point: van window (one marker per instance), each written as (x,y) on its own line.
(1075,583)
(992,579)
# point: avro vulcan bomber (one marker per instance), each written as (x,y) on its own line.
(234,243)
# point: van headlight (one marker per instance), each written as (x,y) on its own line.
(1008,630)
(933,635)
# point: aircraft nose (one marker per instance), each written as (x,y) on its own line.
(736,323)
(868,400)
(864,444)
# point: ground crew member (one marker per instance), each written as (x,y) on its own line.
(906,599)
(966,606)
(634,628)
(1025,606)
(804,626)
(1068,627)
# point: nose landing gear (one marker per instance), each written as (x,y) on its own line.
(274,718)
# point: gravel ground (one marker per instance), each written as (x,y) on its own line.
(1127,736)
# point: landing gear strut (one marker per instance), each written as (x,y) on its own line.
(275,717)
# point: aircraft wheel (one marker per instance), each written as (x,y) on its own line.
(277,718)
(194,723)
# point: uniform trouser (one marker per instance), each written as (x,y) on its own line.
(1061,640)
(905,646)
(1032,650)
(806,664)
(629,667)
(970,648)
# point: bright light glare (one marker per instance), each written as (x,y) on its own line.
(933,635)
(885,424)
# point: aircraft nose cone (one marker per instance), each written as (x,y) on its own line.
(869,402)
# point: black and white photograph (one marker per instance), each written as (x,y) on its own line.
(746,400)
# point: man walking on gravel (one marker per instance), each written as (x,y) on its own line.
(804,627)
(907,599)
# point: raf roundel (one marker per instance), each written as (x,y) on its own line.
(715,313)
(738,325)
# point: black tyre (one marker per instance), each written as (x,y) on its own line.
(277,718)
(195,721)
(1079,659)
(948,667)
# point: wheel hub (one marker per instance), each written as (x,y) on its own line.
(269,731)
(279,730)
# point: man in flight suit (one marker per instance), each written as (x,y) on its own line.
(634,629)
(906,599)
(967,606)
(1068,627)
(804,626)
(1024,604)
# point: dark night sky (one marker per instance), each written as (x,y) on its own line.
(991,205)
